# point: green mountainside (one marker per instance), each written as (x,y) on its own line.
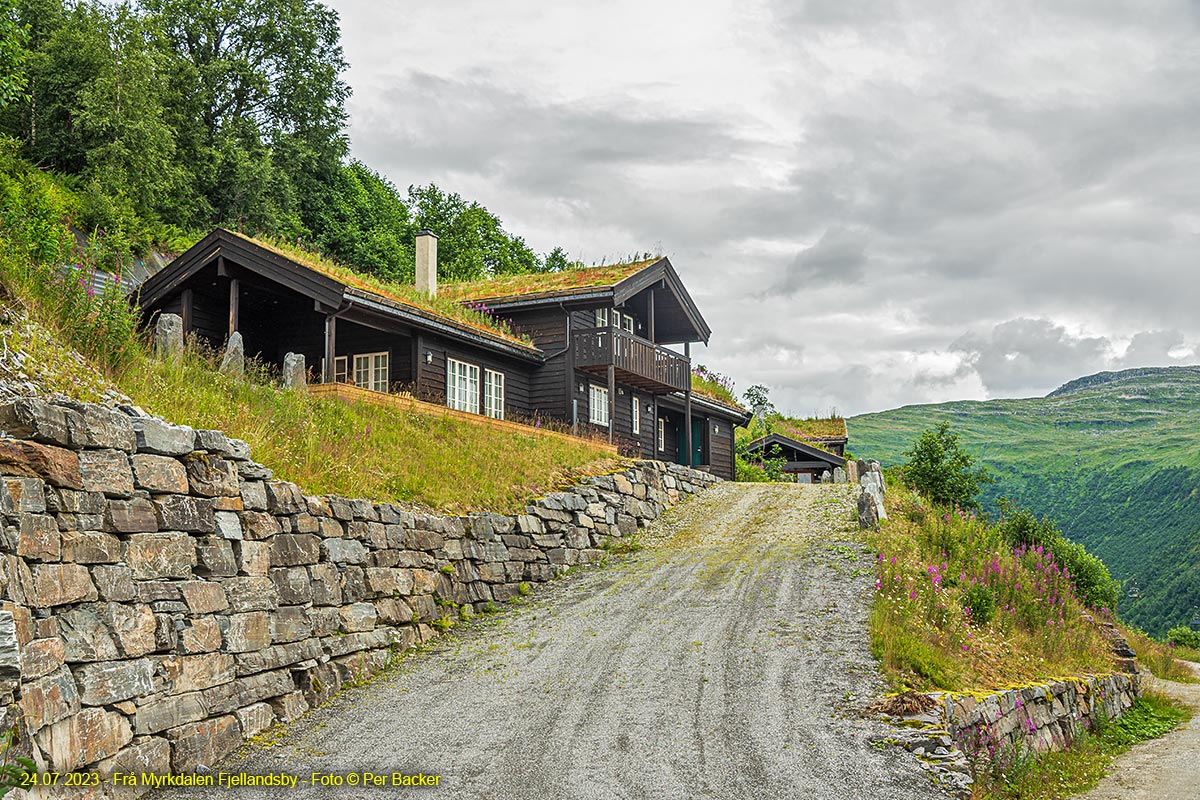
(1114,458)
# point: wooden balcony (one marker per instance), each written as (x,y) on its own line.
(638,362)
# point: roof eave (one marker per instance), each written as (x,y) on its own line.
(413,316)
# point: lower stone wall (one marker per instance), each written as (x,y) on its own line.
(965,732)
(1038,718)
(164,598)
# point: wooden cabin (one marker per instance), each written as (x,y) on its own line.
(587,347)
(805,462)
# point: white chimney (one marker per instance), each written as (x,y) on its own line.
(427,262)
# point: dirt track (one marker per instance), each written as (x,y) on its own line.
(1160,768)
(724,660)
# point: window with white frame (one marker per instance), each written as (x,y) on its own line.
(493,393)
(602,317)
(662,434)
(341,369)
(627,322)
(370,371)
(598,405)
(462,386)
(637,415)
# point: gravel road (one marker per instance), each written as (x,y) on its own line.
(726,659)
(1159,768)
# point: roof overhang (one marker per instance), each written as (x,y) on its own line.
(327,293)
(800,447)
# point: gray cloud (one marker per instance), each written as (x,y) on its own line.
(955,191)
(839,256)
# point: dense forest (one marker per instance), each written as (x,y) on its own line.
(165,118)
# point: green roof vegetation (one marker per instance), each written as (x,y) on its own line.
(440,306)
(545,283)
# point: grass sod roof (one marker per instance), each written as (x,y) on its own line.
(545,284)
(443,306)
(813,428)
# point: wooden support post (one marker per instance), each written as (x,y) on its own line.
(612,401)
(186,311)
(687,404)
(234,298)
(330,347)
(650,315)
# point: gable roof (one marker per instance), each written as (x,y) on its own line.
(330,285)
(614,283)
(765,442)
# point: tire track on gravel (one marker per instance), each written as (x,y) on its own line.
(714,663)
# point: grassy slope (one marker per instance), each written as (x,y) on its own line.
(1116,463)
(353,449)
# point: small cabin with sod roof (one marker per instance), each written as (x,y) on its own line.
(804,461)
(595,348)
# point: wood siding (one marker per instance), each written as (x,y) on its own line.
(548,393)
(431,378)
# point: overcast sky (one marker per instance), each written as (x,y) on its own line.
(873,202)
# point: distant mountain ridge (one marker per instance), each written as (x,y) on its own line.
(1113,457)
(1101,378)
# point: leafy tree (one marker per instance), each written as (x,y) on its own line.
(365,222)
(940,469)
(14,38)
(757,397)
(472,242)
(258,104)
(1183,636)
(556,261)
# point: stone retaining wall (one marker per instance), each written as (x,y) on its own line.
(169,598)
(1038,718)
(970,731)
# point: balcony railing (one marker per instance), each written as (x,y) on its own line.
(638,362)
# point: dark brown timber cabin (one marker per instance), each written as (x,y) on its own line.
(805,462)
(589,350)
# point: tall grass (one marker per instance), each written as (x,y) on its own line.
(359,449)
(957,608)
(1163,660)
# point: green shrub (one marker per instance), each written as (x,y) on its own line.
(981,600)
(1182,636)
(1021,528)
(940,469)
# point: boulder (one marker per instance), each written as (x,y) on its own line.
(84,738)
(60,584)
(233,362)
(168,335)
(106,471)
(136,515)
(868,516)
(295,375)
(159,437)
(160,555)
(90,547)
(211,476)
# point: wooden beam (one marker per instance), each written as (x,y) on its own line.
(612,402)
(650,315)
(186,301)
(235,293)
(330,347)
(687,403)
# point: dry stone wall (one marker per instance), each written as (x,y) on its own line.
(164,597)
